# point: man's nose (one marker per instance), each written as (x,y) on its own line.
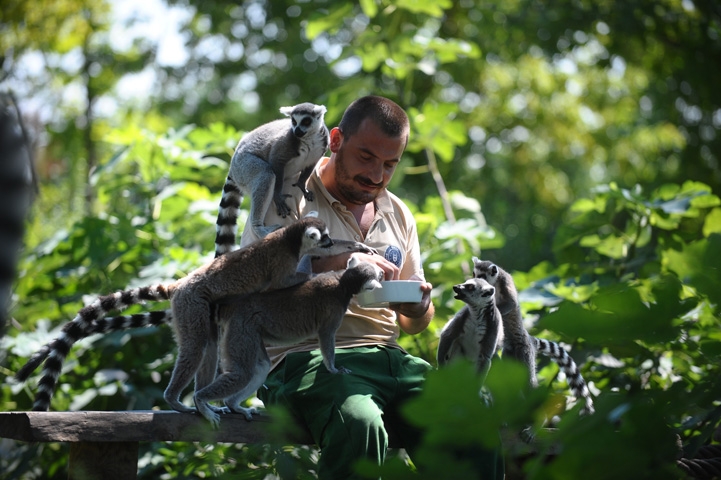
(375,173)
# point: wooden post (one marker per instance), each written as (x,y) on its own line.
(103,461)
(104,445)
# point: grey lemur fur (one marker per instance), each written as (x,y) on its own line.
(476,331)
(270,263)
(518,343)
(280,317)
(265,160)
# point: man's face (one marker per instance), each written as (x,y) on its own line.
(365,162)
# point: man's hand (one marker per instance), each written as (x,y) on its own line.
(415,317)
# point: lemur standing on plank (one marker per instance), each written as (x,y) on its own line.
(280,317)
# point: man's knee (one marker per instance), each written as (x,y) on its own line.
(354,431)
(357,424)
(361,414)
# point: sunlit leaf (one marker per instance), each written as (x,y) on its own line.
(618,315)
(699,264)
(712,223)
(613,247)
(434,8)
(327,22)
(370,8)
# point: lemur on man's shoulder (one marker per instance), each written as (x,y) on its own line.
(267,159)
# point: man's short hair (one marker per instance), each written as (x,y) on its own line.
(385,113)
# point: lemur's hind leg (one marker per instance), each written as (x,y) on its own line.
(261,190)
(190,356)
(259,374)
(245,367)
(192,324)
(208,370)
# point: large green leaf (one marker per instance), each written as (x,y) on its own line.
(618,315)
(699,265)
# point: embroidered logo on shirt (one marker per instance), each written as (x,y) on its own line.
(394,255)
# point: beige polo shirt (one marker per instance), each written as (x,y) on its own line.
(393,234)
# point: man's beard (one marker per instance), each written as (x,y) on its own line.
(346,184)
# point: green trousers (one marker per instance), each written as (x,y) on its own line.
(349,416)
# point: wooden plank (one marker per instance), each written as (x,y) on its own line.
(135,426)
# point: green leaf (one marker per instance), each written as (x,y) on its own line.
(329,22)
(698,264)
(374,55)
(463,418)
(434,8)
(617,315)
(712,223)
(369,7)
(437,128)
(612,247)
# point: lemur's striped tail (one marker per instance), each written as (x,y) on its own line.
(91,319)
(71,333)
(226,226)
(570,369)
(137,320)
(119,301)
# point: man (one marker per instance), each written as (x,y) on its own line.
(349,416)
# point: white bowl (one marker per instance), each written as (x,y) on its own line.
(391,291)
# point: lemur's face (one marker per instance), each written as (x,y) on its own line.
(307,118)
(474,291)
(302,124)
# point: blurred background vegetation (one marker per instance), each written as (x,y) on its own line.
(574,143)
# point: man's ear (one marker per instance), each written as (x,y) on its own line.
(336,138)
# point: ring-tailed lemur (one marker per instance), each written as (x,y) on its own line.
(264,319)
(517,342)
(266,159)
(267,264)
(476,331)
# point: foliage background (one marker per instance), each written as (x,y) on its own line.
(588,132)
